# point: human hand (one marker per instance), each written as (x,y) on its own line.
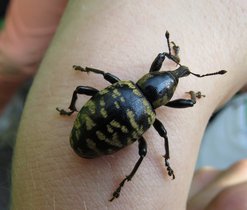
(221,190)
(10,80)
(23,41)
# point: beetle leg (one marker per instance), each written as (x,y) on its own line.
(142,153)
(176,50)
(90,91)
(107,76)
(184,103)
(163,133)
(158,61)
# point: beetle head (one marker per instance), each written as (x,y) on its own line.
(181,71)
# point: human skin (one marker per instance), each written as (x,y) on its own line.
(124,38)
(219,189)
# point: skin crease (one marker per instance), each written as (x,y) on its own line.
(124,38)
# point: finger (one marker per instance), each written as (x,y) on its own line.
(202,178)
(234,175)
(233,197)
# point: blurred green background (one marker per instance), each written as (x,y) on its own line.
(3,8)
(1,23)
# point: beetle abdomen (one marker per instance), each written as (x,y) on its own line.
(112,119)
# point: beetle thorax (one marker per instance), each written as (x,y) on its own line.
(158,87)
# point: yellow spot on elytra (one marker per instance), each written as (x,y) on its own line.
(89,122)
(102,102)
(115,140)
(137,92)
(103,112)
(117,105)
(77,135)
(124,129)
(129,141)
(91,144)
(100,135)
(91,106)
(116,92)
(122,99)
(130,84)
(132,120)
(135,135)
(149,111)
(77,123)
(115,124)
(109,129)
(102,92)
(140,130)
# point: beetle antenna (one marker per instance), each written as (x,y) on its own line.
(210,74)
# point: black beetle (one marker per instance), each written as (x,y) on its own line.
(119,114)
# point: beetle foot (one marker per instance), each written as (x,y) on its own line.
(195,94)
(63,112)
(169,169)
(175,47)
(199,94)
(116,193)
(176,50)
(79,68)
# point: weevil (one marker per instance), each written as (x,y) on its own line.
(118,115)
